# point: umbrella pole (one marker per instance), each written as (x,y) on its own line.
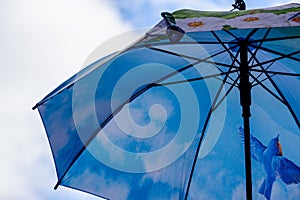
(245,101)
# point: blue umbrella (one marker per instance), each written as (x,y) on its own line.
(161,119)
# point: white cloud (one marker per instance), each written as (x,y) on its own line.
(239,192)
(134,10)
(42,44)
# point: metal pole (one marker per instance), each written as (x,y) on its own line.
(245,101)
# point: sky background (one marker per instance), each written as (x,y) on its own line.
(42,43)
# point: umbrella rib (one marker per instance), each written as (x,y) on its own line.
(224,46)
(233,57)
(267,89)
(261,72)
(251,33)
(202,134)
(209,76)
(179,55)
(260,44)
(277,39)
(276,73)
(196,79)
(227,92)
(281,54)
(146,45)
(278,58)
(286,102)
(190,57)
(232,85)
(282,97)
(255,80)
(248,36)
(230,33)
(232,66)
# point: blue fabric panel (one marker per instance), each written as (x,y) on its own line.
(72,116)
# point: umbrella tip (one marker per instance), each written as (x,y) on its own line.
(34,107)
(56,186)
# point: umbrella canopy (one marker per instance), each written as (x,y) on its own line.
(175,115)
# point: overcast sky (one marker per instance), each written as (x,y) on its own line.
(42,43)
